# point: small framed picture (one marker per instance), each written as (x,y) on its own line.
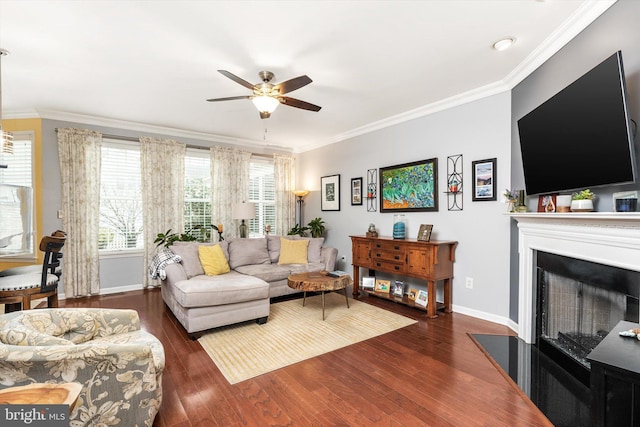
(547,203)
(422,297)
(383,285)
(484,180)
(398,288)
(413,293)
(356,191)
(368,283)
(330,192)
(424,235)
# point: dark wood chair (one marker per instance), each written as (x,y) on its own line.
(19,286)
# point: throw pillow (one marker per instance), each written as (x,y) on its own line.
(213,260)
(293,251)
(188,251)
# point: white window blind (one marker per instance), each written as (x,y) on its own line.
(197,192)
(17,232)
(262,192)
(120,197)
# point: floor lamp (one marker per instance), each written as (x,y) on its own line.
(243,211)
(300,194)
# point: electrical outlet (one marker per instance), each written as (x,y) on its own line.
(469,283)
(60,214)
(343,258)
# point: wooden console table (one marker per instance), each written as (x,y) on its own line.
(430,261)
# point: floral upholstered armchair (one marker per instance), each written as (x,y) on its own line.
(118,364)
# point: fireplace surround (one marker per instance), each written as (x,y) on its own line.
(609,238)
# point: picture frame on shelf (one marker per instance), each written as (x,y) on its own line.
(383,285)
(424,234)
(484,180)
(368,283)
(356,191)
(422,298)
(330,193)
(409,187)
(547,203)
(398,289)
(413,293)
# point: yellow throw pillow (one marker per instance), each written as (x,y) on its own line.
(213,260)
(293,251)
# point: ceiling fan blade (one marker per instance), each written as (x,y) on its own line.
(236,79)
(293,84)
(292,102)
(230,98)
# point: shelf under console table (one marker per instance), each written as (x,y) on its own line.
(430,261)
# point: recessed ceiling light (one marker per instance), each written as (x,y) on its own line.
(504,43)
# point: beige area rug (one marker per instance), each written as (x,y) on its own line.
(295,333)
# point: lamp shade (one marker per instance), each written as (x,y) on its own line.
(301,193)
(243,210)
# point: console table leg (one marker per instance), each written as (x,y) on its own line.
(447,295)
(431,303)
(356,281)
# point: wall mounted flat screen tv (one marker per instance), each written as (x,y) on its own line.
(581,137)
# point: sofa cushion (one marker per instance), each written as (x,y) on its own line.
(267,272)
(314,250)
(213,260)
(247,252)
(233,287)
(293,251)
(188,251)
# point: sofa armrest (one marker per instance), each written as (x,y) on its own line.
(175,273)
(329,255)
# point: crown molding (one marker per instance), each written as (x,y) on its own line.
(143,127)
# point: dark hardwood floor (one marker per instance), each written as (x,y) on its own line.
(427,374)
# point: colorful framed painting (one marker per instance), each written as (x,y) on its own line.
(484,180)
(330,193)
(409,187)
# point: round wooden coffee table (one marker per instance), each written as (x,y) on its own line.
(319,282)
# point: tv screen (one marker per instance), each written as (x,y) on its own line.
(580,137)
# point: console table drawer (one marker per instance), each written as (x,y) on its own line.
(382,255)
(388,246)
(388,266)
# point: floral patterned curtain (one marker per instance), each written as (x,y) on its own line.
(229,185)
(284,175)
(162,167)
(80,154)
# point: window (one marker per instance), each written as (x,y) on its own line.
(17,213)
(262,192)
(197,191)
(120,197)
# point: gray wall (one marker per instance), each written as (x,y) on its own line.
(477,130)
(617,29)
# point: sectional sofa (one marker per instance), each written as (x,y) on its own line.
(242,276)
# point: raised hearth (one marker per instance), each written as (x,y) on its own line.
(609,238)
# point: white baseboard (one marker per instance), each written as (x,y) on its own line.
(114,290)
(486,316)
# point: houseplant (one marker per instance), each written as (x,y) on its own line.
(299,230)
(196,233)
(316,227)
(582,201)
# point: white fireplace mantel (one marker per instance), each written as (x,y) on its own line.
(610,238)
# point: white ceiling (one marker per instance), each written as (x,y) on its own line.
(150,65)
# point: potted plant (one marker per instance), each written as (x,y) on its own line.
(582,201)
(299,230)
(316,227)
(193,234)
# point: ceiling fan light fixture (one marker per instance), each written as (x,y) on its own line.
(265,104)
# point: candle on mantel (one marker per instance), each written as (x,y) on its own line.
(219,228)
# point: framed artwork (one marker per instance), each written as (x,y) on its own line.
(484,180)
(368,283)
(424,235)
(398,289)
(409,187)
(383,285)
(330,193)
(422,298)
(356,191)
(547,203)
(413,293)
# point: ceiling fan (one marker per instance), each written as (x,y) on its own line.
(267,96)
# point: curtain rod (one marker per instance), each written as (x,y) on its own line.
(134,139)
